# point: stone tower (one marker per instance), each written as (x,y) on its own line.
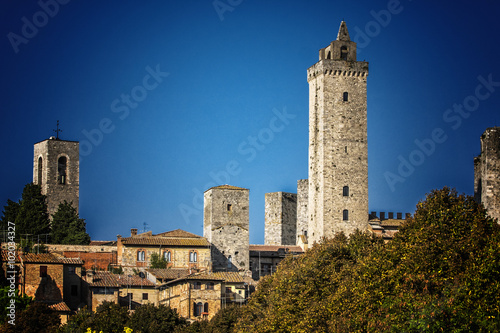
(487,172)
(280,218)
(226,225)
(56,168)
(338,149)
(302,202)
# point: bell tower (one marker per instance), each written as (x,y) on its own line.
(56,168)
(338,147)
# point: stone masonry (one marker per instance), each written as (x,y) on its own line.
(226,225)
(487,172)
(338,148)
(56,168)
(302,201)
(280,218)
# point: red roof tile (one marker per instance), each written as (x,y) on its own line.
(49,258)
(227,187)
(60,307)
(168,241)
(178,233)
(168,273)
(275,248)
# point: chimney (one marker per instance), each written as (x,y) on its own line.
(373,215)
(391,215)
(407,216)
(133,232)
(400,216)
(382,216)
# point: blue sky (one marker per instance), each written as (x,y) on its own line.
(207,80)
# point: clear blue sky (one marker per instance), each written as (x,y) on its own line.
(230,70)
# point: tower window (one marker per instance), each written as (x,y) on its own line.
(345,215)
(343,53)
(61,170)
(345,191)
(40,168)
(229,207)
(229,262)
(329,56)
(345,96)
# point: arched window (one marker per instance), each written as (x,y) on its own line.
(198,308)
(345,191)
(193,256)
(329,56)
(61,170)
(40,168)
(343,52)
(141,256)
(229,262)
(168,256)
(345,215)
(210,286)
(205,310)
(345,96)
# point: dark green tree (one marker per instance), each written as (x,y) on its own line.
(225,320)
(37,318)
(151,319)
(67,227)
(79,322)
(32,217)
(10,212)
(21,302)
(110,318)
(157,261)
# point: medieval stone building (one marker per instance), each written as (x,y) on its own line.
(487,172)
(280,218)
(56,168)
(338,147)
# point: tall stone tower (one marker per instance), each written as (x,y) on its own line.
(225,225)
(280,218)
(338,149)
(56,168)
(487,172)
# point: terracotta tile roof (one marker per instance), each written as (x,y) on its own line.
(108,279)
(178,233)
(60,307)
(168,273)
(5,256)
(168,241)
(49,258)
(275,248)
(104,279)
(392,222)
(227,187)
(233,277)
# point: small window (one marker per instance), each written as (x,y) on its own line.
(343,52)
(168,256)
(198,308)
(229,262)
(205,309)
(145,296)
(210,286)
(229,207)
(43,271)
(345,215)
(228,290)
(197,285)
(329,56)
(72,270)
(74,290)
(345,191)
(193,256)
(40,169)
(130,296)
(141,256)
(61,170)
(345,96)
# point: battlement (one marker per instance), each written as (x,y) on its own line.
(336,68)
(390,216)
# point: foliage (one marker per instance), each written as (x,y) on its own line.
(151,319)
(67,227)
(32,217)
(157,261)
(224,320)
(10,212)
(440,273)
(115,270)
(21,302)
(110,318)
(37,318)
(78,323)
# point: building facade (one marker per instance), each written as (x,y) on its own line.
(280,218)
(338,147)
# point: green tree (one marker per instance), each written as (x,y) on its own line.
(151,319)
(37,318)
(10,212)
(21,302)
(224,320)
(110,318)
(79,322)
(67,227)
(157,261)
(32,217)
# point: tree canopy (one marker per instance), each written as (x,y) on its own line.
(441,272)
(68,227)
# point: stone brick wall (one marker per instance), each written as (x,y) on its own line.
(49,288)
(338,148)
(487,172)
(302,201)
(45,172)
(280,218)
(97,299)
(72,279)
(226,225)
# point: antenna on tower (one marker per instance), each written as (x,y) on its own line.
(57,130)
(145,227)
